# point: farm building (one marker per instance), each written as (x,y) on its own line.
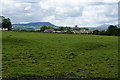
(82,31)
(49,30)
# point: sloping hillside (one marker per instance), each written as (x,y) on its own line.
(35,25)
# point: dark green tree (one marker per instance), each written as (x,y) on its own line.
(68,28)
(6,23)
(56,29)
(50,27)
(103,32)
(76,28)
(42,28)
(85,28)
(112,30)
(61,28)
(96,32)
(118,32)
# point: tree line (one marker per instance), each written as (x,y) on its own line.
(5,23)
(112,29)
(44,27)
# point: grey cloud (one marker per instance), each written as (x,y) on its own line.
(61,14)
(101,3)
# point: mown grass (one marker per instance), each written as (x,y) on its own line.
(44,54)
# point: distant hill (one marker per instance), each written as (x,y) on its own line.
(101,27)
(35,25)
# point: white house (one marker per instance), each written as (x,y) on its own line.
(4,29)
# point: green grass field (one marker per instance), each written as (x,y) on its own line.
(44,54)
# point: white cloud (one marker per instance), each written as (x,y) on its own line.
(27,8)
(111,1)
(61,12)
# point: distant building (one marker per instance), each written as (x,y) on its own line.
(49,30)
(85,31)
(82,31)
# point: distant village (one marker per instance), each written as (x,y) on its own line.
(6,25)
(74,30)
(50,29)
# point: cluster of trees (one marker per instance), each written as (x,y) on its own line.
(63,29)
(112,30)
(42,28)
(77,28)
(5,23)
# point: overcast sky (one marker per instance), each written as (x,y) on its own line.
(62,12)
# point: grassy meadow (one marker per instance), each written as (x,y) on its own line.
(45,54)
